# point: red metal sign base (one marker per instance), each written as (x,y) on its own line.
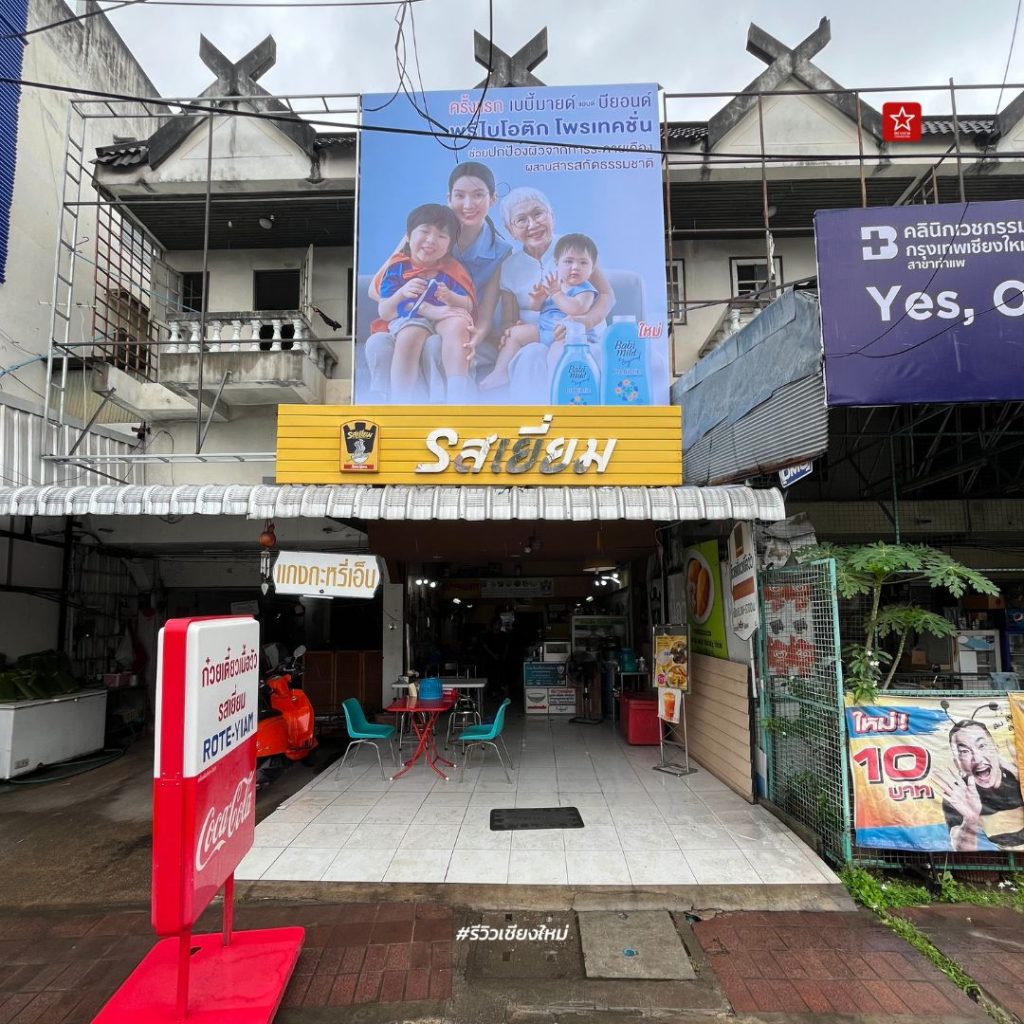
(241,983)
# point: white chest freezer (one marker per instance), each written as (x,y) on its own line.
(39,732)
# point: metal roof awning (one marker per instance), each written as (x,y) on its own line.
(416,503)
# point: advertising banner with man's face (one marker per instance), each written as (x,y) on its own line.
(933,775)
(520,263)
(922,303)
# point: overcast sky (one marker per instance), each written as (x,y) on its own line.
(684,45)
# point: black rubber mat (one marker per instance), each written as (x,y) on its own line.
(535,817)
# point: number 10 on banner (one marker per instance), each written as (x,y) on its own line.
(902,764)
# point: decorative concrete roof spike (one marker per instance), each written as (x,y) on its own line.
(785,63)
(510,72)
(234,79)
(238,78)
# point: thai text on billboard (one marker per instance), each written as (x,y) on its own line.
(522,263)
(922,303)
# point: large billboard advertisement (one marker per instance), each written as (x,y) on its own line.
(520,264)
(922,303)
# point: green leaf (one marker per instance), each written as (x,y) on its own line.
(902,619)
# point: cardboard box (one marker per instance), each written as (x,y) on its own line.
(983,602)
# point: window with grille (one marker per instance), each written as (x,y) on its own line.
(123,330)
(750,275)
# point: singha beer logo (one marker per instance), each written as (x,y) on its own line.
(359,446)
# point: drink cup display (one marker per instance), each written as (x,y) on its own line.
(670,705)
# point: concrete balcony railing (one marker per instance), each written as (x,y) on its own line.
(251,358)
(289,331)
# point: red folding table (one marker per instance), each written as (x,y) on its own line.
(423,716)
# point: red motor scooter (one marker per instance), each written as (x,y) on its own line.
(284,730)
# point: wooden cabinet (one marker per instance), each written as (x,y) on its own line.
(333,676)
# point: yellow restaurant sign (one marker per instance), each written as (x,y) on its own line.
(498,445)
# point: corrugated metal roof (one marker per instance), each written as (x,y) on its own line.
(417,503)
(13,15)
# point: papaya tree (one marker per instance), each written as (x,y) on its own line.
(871,570)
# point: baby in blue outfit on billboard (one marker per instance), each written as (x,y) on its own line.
(424,290)
(564,294)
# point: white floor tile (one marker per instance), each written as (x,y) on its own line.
(592,837)
(440,815)
(702,837)
(720,867)
(482,839)
(272,832)
(533,839)
(488,867)
(322,836)
(646,837)
(302,814)
(342,814)
(256,861)
(297,864)
(659,867)
(606,867)
(780,869)
(359,866)
(535,867)
(418,866)
(376,837)
(429,837)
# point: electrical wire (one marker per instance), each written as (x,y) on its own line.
(70,21)
(273,4)
(1006,71)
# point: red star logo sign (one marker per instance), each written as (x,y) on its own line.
(901,122)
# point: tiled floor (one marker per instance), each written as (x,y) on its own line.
(641,827)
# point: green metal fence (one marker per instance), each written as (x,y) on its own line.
(801,697)
(803,722)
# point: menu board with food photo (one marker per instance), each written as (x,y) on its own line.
(704,606)
(672,657)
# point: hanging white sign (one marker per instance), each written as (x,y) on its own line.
(745,614)
(316,574)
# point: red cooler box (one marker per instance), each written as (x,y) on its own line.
(638,719)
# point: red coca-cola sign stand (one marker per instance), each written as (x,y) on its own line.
(204,818)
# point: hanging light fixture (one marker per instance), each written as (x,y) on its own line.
(268,541)
(599,563)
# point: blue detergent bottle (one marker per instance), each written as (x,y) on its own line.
(577,380)
(626,379)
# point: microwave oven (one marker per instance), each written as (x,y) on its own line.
(556,650)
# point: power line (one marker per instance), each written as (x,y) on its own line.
(271,4)
(71,20)
(190,106)
(1006,71)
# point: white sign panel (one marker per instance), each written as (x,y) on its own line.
(317,574)
(221,683)
(745,614)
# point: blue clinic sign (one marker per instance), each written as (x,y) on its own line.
(526,169)
(922,303)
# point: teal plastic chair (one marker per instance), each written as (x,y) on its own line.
(361,731)
(485,736)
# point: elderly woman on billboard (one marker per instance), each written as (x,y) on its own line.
(480,248)
(530,220)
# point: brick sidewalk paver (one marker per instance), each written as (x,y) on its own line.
(62,968)
(789,962)
(987,942)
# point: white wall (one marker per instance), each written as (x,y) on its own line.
(231,287)
(91,55)
(28,623)
(709,276)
